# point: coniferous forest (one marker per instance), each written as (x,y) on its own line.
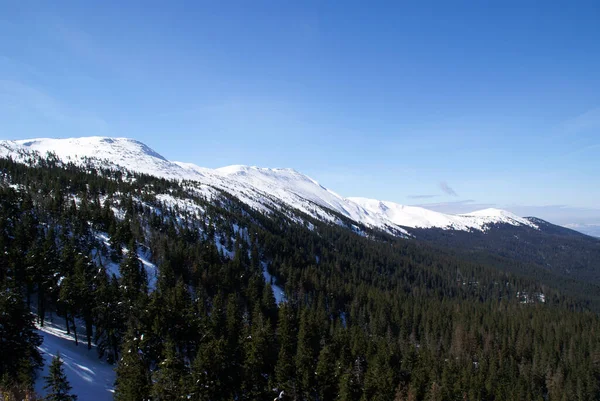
(365,316)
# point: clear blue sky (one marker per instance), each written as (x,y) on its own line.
(456,105)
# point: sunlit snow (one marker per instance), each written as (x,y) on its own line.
(90,377)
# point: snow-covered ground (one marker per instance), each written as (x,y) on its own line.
(92,379)
(264,189)
(277,290)
(113,268)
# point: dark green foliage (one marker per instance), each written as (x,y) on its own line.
(57,385)
(133,374)
(109,316)
(169,378)
(19,356)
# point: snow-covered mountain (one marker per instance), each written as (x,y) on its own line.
(262,188)
(418,217)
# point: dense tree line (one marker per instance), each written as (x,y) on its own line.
(365,317)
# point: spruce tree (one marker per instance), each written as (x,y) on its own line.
(285,369)
(19,355)
(169,377)
(258,345)
(210,372)
(133,381)
(57,385)
(326,373)
(109,316)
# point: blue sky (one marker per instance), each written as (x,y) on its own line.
(447,104)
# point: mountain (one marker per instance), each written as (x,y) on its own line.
(418,217)
(261,188)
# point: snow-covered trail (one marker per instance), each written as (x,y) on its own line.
(91,378)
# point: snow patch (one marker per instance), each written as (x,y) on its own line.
(277,290)
(90,377)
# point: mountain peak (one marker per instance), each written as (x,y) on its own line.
(501,216)
(243,169)
(92,146)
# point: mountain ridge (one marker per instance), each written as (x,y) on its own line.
(260,187)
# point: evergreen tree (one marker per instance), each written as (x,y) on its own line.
(259,344)
(133,381)
(57,385)
(210,375)
(109,316)
(20,356)
(83,279)
(306,354)
(134,280)
(169,377)
(326,373)
(285,370)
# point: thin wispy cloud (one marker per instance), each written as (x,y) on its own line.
(582,149)
(18,97)
(447,189)
(580,133)
(71,36)
(30,103)
(421,196)
(583,122)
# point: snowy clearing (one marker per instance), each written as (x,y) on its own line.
(91,378)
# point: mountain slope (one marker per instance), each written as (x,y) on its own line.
(262,188)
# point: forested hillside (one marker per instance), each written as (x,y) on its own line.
(171,288)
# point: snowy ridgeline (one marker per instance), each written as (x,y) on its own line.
(264,189)
(91,378)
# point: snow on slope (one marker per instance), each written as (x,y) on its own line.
(123,152)
(492,215)
(90,377)
(418,217)
(264,189)
(299,191)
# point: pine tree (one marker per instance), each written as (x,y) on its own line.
(379,379)
(19,355)
(169,377)
(133,381)
(285,370)
(327,380)
(210,372)
(84,286)
(306,354)
(57,385)
(109,316)
(350,385)
(134,281)
(258,346)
